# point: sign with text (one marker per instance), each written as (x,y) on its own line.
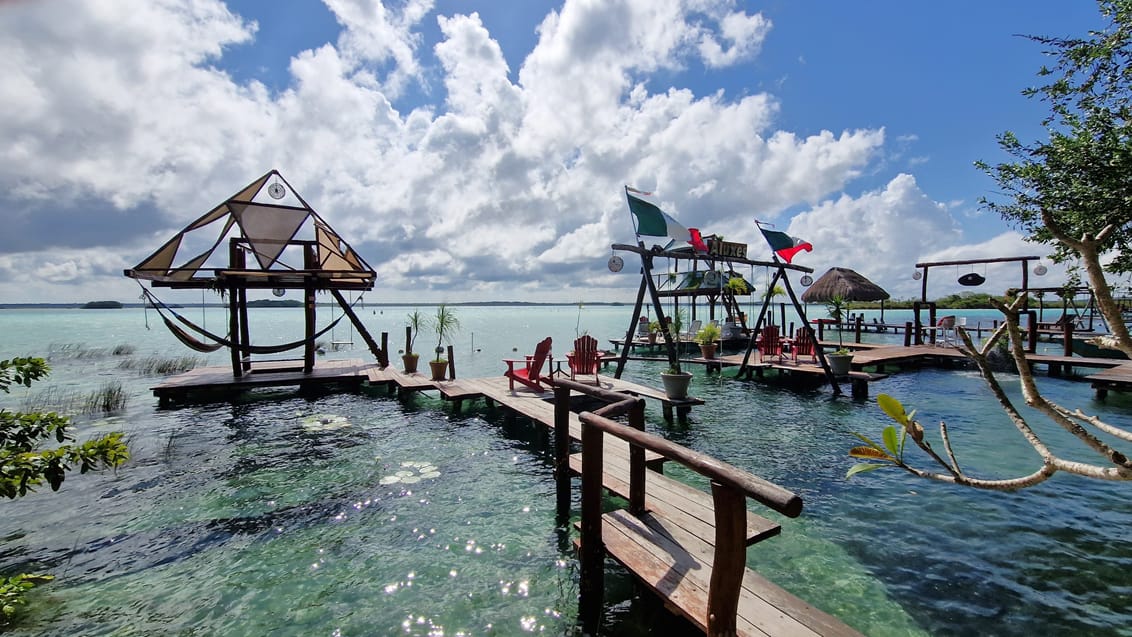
(727,249)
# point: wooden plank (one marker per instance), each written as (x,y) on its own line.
(678,568)
(684,504)
(757,586)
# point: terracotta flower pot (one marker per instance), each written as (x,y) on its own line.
(438,369)
(410,361)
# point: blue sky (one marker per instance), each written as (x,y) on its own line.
(476,150)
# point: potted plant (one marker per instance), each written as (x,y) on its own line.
(676,383)
(707,337)
(841,358)
(445,324)
(654,329)
(840,361)
(416,322)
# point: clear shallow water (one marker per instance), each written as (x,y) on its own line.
(248,518)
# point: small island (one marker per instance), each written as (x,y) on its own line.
(102,305)
(275,303)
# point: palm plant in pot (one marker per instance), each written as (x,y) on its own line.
(654,329)
(676,382)
(840,361)
(707,337)
(416,322)
(445,323)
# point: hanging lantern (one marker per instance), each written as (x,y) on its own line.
(1040,269)
(615,263)
(917,275)
(972,279)
(279,291)
(807,280)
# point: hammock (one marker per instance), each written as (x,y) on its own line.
(220,341)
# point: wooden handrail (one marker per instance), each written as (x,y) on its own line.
(767,493)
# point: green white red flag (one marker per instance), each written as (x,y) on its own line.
(784,245)
(654,222)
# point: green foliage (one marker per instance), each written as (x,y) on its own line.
(1079,174)
(708,334)
(654,327)
(24,465)
(22,371)
(12,591)
(445,323)
(836,307)
(891,452)
(738,286)
(416,322)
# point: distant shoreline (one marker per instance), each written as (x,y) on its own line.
(76,306)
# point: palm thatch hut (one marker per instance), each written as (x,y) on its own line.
(846,284)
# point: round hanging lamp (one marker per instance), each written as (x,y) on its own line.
(615,263)
(807,280)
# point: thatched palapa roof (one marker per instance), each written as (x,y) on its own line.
(847,284)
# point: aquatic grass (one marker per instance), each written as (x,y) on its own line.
(80,351)
(107,399)
(160,365)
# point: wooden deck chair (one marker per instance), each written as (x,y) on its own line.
(586,358)
(769,343)
(693,328)
(530,374)
(803,345)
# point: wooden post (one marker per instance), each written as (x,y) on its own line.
(234,330)
(821,330)
(562,453)
(637,461)
(857,327)
(591,587)
(245,330)
(907,333)
(1067,335)
(730,559)
(380,353)
(1031,331)
(932,320)
(408,339)
(310,262)
(451,363)
(917,326)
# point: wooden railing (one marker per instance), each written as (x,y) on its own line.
(730,487)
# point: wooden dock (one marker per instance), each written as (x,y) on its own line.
(208,382)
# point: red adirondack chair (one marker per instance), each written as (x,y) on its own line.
(769,343)
(530,374)
(803,345)
(585,359)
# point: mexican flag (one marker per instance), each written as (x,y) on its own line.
(784,245)
(654,222)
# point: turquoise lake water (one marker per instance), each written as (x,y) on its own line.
(255,517)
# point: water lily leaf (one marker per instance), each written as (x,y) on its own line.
(862,468)
(869,452)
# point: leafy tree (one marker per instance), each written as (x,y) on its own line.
(1072,192)
(26,464)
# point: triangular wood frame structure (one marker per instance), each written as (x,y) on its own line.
(293,248)
(710,262)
